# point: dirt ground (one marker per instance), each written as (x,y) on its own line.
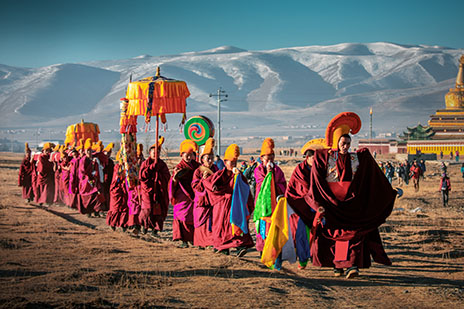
(55,257)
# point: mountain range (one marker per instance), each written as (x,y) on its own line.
(281,92)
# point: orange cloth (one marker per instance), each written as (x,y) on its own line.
(268,147)
(232,152)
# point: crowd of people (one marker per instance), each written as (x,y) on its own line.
(336,199)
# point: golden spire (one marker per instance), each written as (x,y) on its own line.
(460,77)
(158,73)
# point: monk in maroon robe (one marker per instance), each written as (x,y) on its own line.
(154,178)
(25,176)
(45,177)
(118,214)
(108,171)
(65,167)
(91,198)
(56,159)
(73,188)
(352,195)
(202,208)
(181,194)
(267,157)
(220,188)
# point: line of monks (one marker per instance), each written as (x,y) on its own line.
(336,199)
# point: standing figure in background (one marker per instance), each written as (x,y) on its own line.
(445,188)
(202,208)
(25,175)
(118,213)
(181,194)
(218,162)
(415,174)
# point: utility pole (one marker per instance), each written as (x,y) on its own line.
(220,95)
(370,125)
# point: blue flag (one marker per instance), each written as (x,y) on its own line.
(238,209)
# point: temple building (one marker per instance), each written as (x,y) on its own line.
(448,123)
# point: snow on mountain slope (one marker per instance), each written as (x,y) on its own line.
(307,84)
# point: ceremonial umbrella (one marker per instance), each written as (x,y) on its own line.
(152,96)
(82,130)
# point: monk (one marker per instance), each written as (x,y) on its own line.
(102,161)
(89,183)
(352,198)
(73,189)
(303,216)
(108,173)
(181,194)
(45,177)
(220,189)
(118,214)
(202,208)
(267,167)
(154,178)
(25,175)
(65,167)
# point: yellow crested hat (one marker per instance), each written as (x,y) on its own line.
(160,143)
(268,147)
(81,142)
(188,146)
(314,144)
(343,123)
(118,155)
(88,144)
(99,146)
(232,152)
(26,148)
(209,147)
(56,148)
(109,147)
(47,146)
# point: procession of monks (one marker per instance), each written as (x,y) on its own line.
(337,199)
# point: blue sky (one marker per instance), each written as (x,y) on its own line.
(43,32)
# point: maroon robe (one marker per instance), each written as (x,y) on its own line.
(89,187)
(118,214)
(25,179)
(298,187)
(154,178)
(45,180)
(65,196)
(181,195)
(220,187)
(350,235)
(73,188)
(202,210)
(108,172)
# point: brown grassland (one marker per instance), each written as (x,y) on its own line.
(55,257)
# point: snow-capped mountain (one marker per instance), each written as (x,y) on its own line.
(272,92)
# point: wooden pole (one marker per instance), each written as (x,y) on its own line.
(156,139)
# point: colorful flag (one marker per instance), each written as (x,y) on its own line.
(266,200)
(238,209)
(278,234)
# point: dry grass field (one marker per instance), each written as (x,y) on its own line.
(55,257)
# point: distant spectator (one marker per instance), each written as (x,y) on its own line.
(375,154)
(444,168)
(400,171)
(407,167)
(445,187)
(457,155)
(250,175)
(415,174)
(451,155)
(462,170)
(218,162)
(423,168)
(441,154)
(389,172)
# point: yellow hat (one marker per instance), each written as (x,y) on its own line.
(118,155)
(232,152)
(209,147)
(47,146)
(57,147)
(109,147)
(317,143)
(188,146)
(88,144)
(160,143)
(268,147)
(81,142)
(99,146)
(139,150)
(79,147)
(343,123)
(26,148)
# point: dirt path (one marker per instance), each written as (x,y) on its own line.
(56,257)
